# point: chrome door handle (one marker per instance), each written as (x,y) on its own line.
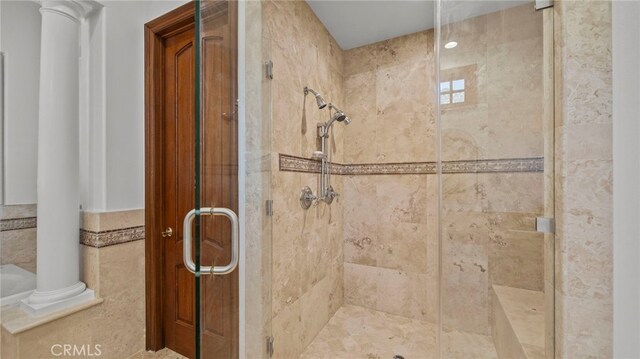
(186,243)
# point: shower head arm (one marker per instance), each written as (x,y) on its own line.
(319,100)
(308,89)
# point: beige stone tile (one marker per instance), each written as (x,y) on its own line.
(19,248)
(107,221)
(514,96)
(356,332)
(287,327)
(361,242)
(588,142)
(516,259)
(513,192)
(403,247)
(120,321)
(360,59)
(160,354)
(465,283)
(9,344)
(585,55)
(402,293)
(585,328)
(405,49)
(360,283)
(463,192)
(314,310)
(403,87)
(360,105)
(74,330)
(504,337)
(19,211)
(525,311)
(90,268)
(417,131)
(462,345)
(515,24)
(401,198)
(465,133)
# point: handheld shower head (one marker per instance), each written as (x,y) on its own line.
(319,100)
(339,116)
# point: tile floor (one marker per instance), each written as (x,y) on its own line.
(356,332)
(161,354)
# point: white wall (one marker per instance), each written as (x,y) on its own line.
(112,112)
(20,43)
(626,178)
(125,99)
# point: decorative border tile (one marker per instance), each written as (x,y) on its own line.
(109,238)
(408,168)
(508,165)
(13,224)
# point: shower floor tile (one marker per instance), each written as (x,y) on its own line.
(165,353)
(356,332)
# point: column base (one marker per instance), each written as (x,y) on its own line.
(42,303)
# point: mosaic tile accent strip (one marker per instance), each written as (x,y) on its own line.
(509,165)
(390,168)
(109,238)
(13,224)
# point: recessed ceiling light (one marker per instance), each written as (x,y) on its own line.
(450,45)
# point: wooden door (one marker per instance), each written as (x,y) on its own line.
(218,168)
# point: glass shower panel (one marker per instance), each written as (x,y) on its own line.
(216,231)
(232,232)
(496,180)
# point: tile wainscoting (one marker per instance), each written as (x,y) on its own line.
(113,266)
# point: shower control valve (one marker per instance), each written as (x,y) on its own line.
(331,194)
(307,198)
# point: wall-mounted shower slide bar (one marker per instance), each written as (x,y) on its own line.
(326,192)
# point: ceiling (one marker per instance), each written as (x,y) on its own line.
(355,23)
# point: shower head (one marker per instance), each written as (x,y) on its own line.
(319,100)
(339,116)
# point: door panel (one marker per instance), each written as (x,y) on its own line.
(218,168)
(178,188)
(219,179)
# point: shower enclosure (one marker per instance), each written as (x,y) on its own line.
(441,241)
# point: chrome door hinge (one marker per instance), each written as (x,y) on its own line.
(543,4)
(269,206)
(270,346)
(545,225)
(269,69)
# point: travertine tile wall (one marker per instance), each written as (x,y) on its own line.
(389,95)
(18,236)
(488,219)
(584,306)
(116,274)
(307,246)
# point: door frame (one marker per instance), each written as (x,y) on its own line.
(155,33)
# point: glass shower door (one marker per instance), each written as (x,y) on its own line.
(496,134)
(214,220)
(230,221)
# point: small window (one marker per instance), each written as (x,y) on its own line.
(452,92)
(458,86)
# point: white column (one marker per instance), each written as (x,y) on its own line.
(58,250)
